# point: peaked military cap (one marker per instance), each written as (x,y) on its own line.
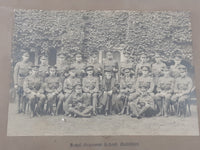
(77,84)
(108,69)
(34,67)
(43,57)
(145,66)
(126,68)
(89,68)
(61,54)
(25,53)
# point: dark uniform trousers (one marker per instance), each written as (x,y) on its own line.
(106,100)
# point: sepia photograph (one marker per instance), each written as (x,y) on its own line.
(91,73)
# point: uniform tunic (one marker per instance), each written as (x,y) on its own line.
(183,85)
(79,68)
(21,70)
(33,85)
(157,71)
(165,85)
(139,66)
(111,64)
(61,71)
(53,87)
(127,85)
(90,84)
(69,84)
(43,71)
(147,81)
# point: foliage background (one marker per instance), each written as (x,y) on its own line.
(167,33)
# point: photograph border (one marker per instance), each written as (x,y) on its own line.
(76,142)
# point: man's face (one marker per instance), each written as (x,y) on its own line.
(61,57)
(165,70)
(157,58)
(127,72)
(127,55)
(43,60)
(78,89)
(108,75)
(78,58)
(109,55)
(143,89)
(144,58)
(34,71)
(52,71)
(89,72)
(183,71)
(25,57)
(177,60)
(145,71)
(94,57)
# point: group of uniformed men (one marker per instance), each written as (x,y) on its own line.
(84,89)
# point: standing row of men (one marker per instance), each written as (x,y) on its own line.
(82,90)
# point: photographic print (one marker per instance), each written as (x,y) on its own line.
(91,73)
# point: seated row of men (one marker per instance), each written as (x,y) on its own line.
(90,96)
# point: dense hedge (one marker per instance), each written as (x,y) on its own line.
(86,31)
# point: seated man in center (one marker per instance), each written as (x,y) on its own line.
(108,89)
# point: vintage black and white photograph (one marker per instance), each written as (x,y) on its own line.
(102,73)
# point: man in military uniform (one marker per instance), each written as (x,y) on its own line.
(79,65)
(91,87)
(144,61)
(111,63)
(174,68)
(157,68)
(61,65)
(78,105)
(43,67)
(21,71)
(93,61)
(34,92)
(164,93)
(127,89)
(68,86)
(127,62)
(182,89)
(146,79)
(108,88)
(53,87)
